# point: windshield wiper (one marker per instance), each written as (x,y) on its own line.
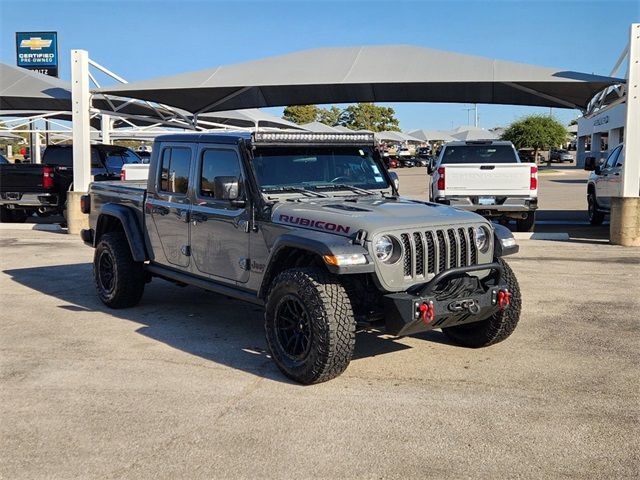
(287,188)
(345,186)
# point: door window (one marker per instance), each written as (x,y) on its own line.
(217,163)
(174,172)
(613,158)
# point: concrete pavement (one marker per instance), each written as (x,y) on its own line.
(181,386)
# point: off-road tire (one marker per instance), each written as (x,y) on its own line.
(495,328)
(128,279)
(595,217)
(12,216)
(526,224)
(330,319)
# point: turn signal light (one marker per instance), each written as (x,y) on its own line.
(533,181)
(47,177)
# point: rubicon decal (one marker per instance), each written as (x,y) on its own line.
(319,224)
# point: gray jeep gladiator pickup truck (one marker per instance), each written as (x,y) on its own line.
(310,226)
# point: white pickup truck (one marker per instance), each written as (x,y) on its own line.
(488,178)
(135,171)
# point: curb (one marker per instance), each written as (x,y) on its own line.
(562,236)
(46,227)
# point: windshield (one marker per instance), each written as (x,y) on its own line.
(315,167)
(478,154)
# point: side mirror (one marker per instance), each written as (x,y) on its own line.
(590,164)
(430,167)
(395,180)
(597,169)
(227,188)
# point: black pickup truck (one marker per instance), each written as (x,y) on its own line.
(27,188)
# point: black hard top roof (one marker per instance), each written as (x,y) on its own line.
(222,137)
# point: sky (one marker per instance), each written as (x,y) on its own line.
(140,39)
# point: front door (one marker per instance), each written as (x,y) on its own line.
(169,207)
(606,186)
(219,227)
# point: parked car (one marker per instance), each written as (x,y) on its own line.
(390,161)
(403,152)
(527,155)
(313,229)
(603,183)
(560,156)
(42,188)
(488,178)
(423,152)
(407,162)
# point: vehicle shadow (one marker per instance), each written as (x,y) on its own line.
(214,327)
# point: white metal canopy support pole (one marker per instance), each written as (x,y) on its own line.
(80,118)
(625,209)
(105,126)
(36,154)
(631,167)
(81,104)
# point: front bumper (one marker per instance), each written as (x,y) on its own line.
(450,298)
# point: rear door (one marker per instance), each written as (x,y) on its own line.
(169,206)
(219,233)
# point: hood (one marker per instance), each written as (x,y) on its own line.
(346,215)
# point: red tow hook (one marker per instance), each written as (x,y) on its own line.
(504,298)
(426,312)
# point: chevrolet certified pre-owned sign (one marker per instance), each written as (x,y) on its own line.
(38,51)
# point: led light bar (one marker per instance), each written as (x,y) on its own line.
(310,137)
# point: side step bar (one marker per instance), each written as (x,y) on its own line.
(169,274)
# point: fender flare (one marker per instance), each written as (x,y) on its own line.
(318,243)
(130,225)
(500,233)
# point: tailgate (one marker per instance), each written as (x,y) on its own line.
(21,178)
(503,179)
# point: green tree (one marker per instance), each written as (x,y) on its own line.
(330,116)
(540,132)
(301,114)
(367,116)
(573,122)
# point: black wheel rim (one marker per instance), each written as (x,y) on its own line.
(293,328)
(105,272)
(591,207)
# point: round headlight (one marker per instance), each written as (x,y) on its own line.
(483,237)
(384,248)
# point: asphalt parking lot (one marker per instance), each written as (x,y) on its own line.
(181,386)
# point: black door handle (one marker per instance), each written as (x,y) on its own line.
(198,217)
(159,210)
(183,215)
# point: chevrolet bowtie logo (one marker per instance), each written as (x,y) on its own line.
(35,43)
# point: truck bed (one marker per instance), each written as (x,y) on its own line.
(498,179)
(130,194)
(21,178)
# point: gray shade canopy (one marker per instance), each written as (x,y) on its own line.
(319,127)
(431,135)
(24,90)
(368,74)
(472,133)
(249,118)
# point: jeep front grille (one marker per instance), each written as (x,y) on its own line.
(431,252)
